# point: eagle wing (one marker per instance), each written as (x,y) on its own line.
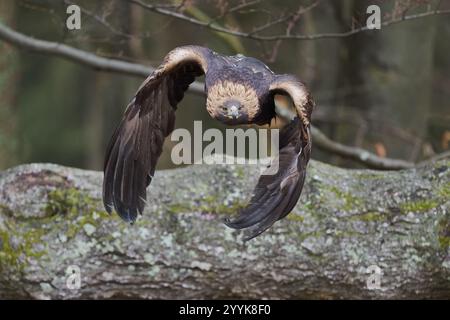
(136,145)
(275,195)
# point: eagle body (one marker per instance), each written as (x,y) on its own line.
(239,90)
(245,78)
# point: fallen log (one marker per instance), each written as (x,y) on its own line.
(56,241)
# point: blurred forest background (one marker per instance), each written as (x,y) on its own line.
(387,91)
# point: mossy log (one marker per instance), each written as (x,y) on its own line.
(51,217)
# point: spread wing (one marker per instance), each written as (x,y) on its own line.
(275,195)
(137,143)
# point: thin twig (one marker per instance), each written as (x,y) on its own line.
(284,18)
(233,9)
(291,24)
(254,36)
(360,155)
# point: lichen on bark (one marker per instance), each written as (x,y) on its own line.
(51,217)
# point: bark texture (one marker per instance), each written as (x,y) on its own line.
(51,217)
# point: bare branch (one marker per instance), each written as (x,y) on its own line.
(284,18)
(234,9)
(360,155)
(133,69)
(255,36)
(79,56)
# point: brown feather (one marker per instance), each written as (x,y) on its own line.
(276,195)
(136,144)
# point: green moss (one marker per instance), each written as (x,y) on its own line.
(17,257)
(418,206)
(444,191)
(213,205)
(8,256)
(295,217)
(347,234)
(350,201)
(240,173)
(63,205)
(444,242)
(308,206)
(76,206)
(313,234)
(66,201)
(178,208)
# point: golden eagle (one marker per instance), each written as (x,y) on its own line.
(239,90)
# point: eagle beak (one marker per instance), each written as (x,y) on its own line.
(231,109)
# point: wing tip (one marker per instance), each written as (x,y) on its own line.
(127,214)
(237,224)
(255,231)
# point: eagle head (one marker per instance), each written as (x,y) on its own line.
(232,102)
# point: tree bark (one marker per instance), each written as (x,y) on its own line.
(51,217)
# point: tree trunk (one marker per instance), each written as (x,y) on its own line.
(51,218)
(8,81)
